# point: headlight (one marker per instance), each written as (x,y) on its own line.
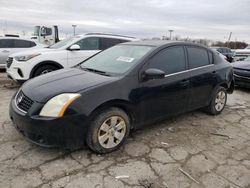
(57,105)
(25,57)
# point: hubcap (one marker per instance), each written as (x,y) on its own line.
(46,71)
(220,101)
(112,132)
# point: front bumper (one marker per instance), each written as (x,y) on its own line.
(67,132)
(242,81)
(18,71)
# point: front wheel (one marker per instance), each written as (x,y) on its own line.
(44,70)
(218,101)
(108,131)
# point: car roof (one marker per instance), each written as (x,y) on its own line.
(217,47)
(159,43)
(17,38)
(107,35)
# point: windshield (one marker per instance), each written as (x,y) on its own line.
(62,43)
(116,60)
(36,31)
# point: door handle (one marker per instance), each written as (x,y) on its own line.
(214,72)
(5,51)
(184,82)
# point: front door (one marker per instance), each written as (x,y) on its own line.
(164,97)
(88,47)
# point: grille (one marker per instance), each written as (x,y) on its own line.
(23,102)
(9,62)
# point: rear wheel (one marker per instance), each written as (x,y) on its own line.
(44,70)
(218,101)
(108,130)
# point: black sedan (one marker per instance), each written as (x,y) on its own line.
(122,88)
(242,73)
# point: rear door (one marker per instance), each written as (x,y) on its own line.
(167,96)
(202,75)
(6,47)
(88,47)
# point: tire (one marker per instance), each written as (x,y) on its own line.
(44,69)
(103,134)
(218,102)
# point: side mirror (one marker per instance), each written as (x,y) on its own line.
(43,31)
(153,74)
(74,47)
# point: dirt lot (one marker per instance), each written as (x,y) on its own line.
(193,150)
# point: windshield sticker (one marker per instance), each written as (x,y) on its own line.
(125,59)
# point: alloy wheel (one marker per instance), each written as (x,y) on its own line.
(220,101)
(112,132)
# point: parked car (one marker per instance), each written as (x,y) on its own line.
(220,54)
(122,88)
(242,73)
(10,45)
(226,52)
(241,54)
(64,54)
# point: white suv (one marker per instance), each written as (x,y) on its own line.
(10,45)
(64,54)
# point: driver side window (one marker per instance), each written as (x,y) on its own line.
(91,43)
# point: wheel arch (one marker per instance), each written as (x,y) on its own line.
(228,86)
(54,63)
(124,105)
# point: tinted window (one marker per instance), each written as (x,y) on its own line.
(197,57)
(170,60)
(32,44)
(22,44)
(6,43)
(91,43)
(108,42)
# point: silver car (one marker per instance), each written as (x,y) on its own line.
(9,45)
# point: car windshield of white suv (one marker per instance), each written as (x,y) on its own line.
(62,43)
(115,60)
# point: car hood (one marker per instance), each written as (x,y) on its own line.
(242,65)
(33,51)
(73,80)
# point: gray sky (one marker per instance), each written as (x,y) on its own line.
(211,19)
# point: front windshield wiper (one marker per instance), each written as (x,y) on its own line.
(95,71)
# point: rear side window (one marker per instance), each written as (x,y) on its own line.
(109,42)
(32,44)
(169,60)
(197,57)
(91,43)
(6,43)
(23,44)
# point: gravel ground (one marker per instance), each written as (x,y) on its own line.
(192,150)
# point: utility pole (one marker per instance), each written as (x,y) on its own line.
(74,29)
(229,38)
(170,34)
